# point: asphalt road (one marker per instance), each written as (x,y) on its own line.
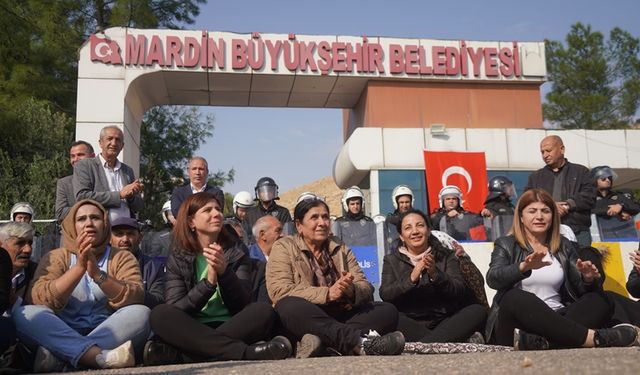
(616,361)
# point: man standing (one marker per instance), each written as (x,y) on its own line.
(266,231)
(402,198)
(353,206)
(266,194)
(107,180)
(198,171)
(125,235)
(65,198)
(569,184)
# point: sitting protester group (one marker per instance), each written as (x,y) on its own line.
(99,302)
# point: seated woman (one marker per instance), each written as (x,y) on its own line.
(208,314)
(546,296)
(87,299)
(321,294)
(423,280)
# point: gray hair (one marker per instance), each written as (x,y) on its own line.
(262,224)
(206,164)
(17,230)
(104,130)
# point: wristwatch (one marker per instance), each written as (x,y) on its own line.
(101,278)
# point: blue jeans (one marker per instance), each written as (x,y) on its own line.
(39,325)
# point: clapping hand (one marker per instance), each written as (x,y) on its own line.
(341,287)
(216,263)
(534,261)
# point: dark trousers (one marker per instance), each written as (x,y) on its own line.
(456,328)
(226,341)
(7,333)
(342,330)
(566,328)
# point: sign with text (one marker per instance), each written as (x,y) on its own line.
(466,170)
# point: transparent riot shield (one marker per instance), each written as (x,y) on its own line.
(615,229)
(498,226)
(464,227)
(289,229)
(361,238)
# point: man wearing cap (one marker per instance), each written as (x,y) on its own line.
(198,171)
(125,235)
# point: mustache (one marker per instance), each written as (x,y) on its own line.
(23,256)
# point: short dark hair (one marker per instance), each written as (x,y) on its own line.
(305,205)
(85,143)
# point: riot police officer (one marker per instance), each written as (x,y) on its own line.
(498,202)
(611,203)
(402,198)
(266,194)
(353,205)
(452,218)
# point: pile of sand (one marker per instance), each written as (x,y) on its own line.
(324,187)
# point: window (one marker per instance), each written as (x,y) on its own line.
(389,179)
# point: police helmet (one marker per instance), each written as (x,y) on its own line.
(352,192)
(166,210)
(603,171)
(22,208)
(266,189)
(449,190)
(399,191)
(242,199)
(499,185)
(308,195)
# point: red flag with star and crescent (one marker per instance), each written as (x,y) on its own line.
(466,170)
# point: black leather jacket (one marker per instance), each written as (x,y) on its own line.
(183,291)
(504,273)
(633,283)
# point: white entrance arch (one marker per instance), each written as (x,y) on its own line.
(123,72)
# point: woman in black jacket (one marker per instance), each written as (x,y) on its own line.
(546,296)
(423,280)
(208,314)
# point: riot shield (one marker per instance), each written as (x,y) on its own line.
(615,229)
(498,226)
(464,227)
(361,238)
(289,229)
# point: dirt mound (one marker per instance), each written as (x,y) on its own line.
(324,187)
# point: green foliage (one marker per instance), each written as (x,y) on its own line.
(596,83)
(31,159)
(169,137)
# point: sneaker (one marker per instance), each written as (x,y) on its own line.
(45,361)
(309,346)
(389,344)
(618,336)
(120,357)
(158,353)
(528,341)
(278,348)
(476,338)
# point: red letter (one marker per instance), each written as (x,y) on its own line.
(453,58)
(274,51)
(306,56)
(463,58)
(395,59)
(238,54)
(216,53)
(156,52)
(174,48)
(516,59)
(354,55)
(506,69)
(324,54)
(191,52)
(256,62)
(439,61)
(136,50)
(410,59)
(291,58)
(490,63)
(424,68)
(476,60)
(338,57)
(375,58)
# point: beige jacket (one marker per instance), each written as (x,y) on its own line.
(289,273)
(122,266)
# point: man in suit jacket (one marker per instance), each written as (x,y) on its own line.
(198,171)
(65,198)
(106,180)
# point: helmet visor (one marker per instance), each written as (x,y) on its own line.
(266,193)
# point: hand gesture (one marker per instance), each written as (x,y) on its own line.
(83,251)
(634,257)
(132,189)
(452,213)
(534,261)
(215,262)
(458,249)
(588,270)
(486,213)
(614,209)
(563,208)
(625,216)
(341,287)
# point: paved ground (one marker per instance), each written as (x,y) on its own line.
(576,361)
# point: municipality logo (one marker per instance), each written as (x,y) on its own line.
(105,50)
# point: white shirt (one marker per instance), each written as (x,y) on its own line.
(195,190)
(114,179)
(546,282)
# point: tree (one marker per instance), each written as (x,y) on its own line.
(169,137)
(596,83)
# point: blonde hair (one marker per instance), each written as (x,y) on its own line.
(553,235)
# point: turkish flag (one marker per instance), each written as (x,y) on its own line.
(466,170)
(105,50)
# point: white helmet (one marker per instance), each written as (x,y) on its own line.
(22,208)
(450,190)
(308,195)
(352,192)
(243,199)
(166,209)
(399,191)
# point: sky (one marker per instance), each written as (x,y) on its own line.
(297,146)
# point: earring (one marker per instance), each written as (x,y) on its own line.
(193,229)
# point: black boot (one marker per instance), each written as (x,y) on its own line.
(620,335)
(278,348)
(528,341)
(158,353)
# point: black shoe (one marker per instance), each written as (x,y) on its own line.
(158,353)
(618,336)
(278,348)
(528,341)
(309,346)
(45,361)
(389,344)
